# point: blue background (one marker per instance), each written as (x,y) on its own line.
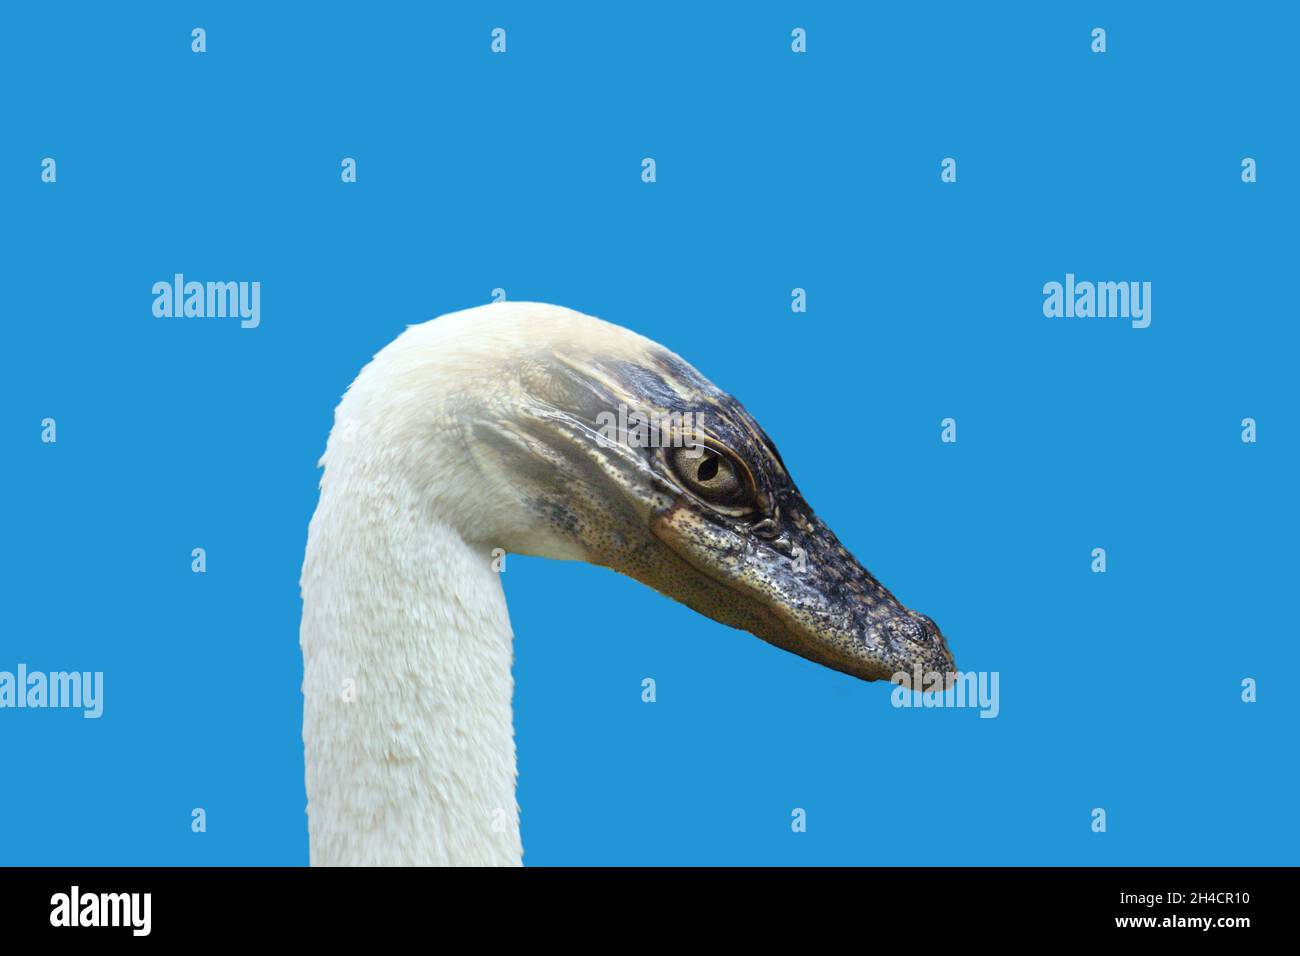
(775,170)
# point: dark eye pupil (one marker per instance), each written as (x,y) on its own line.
(713,477)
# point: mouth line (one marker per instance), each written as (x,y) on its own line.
(768,613)
(707,574)
(822,654)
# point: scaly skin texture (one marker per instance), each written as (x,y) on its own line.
(775,569)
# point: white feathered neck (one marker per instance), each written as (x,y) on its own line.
(406,641)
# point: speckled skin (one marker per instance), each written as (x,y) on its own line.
(735,565)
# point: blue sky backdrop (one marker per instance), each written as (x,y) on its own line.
(774,171)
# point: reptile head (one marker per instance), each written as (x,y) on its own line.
(632,459)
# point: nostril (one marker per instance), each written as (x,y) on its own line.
(907,629)
(933,635)
(916,628)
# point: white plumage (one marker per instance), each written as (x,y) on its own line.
(406,640)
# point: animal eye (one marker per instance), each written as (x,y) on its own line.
(711,475)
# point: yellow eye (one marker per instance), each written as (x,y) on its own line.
(712,475)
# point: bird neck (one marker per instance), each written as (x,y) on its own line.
(407,651)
